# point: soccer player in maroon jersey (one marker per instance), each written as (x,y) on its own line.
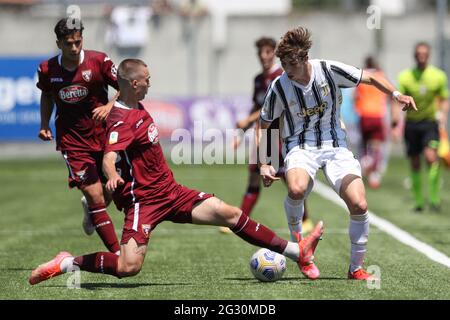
(270,70)
(77,82)
(144,188)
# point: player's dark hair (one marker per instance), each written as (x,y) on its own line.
(371,63)
(127,70)
(265,41)
(295,44)
(68,26)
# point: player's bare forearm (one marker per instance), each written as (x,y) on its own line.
(382,84)
(246,123)
(102,112)
(46,112)
(261,148)
(109,169)
(109,164)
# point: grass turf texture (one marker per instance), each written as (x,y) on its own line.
(40,217)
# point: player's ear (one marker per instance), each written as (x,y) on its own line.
(58,44)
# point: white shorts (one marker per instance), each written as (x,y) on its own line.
(335,162)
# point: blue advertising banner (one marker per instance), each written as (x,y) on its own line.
(19,98)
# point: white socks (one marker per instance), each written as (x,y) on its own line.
(358,231)
(67,264)
(294,210)
(292,251)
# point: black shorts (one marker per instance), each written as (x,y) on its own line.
(419,135)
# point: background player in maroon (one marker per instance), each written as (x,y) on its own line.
(77,82)
(145,189)
(270,70)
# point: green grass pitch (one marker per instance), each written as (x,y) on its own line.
(39,217)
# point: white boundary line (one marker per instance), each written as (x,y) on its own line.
(384,225)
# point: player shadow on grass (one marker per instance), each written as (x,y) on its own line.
(303,279)
(97,286)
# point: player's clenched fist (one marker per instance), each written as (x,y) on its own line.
(45,134)
(268,174)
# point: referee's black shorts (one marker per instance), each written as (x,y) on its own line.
(419,135)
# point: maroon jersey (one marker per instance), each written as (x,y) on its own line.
(141,163)
(262,83)
(76,93)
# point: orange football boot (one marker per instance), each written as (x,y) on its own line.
(361,274)
(49,269)
(307,246)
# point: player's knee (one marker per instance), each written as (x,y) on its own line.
(129,268)
(94,195)
(297,192)
(229,214)
(359,207)
(233,214)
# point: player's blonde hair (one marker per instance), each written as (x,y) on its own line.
(294,45)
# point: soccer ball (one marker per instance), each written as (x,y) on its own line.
(267,266)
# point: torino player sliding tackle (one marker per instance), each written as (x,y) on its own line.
(148,194)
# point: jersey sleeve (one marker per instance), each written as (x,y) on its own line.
(43,78)
(119,137)
(345,76)
(109,72)
(443,90)
(272,108)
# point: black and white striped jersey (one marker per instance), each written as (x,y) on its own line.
(310,115)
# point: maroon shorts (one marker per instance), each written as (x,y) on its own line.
(142,218)
(85,167)
(372,129)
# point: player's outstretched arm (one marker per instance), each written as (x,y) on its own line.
(267,172)
(246,123)
(45,133)
(100,113)
(385,86)
(109,168)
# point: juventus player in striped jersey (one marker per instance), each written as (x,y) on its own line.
(307,98)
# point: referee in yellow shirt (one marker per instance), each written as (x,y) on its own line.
(428,86)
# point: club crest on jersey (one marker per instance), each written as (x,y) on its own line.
(113,137)
(146,228)
(87,75)
(114,70)
(325,89)
(153,134)
(73,94)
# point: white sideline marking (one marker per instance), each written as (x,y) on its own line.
(384,225)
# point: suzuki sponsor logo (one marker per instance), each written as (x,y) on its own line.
(73,94)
